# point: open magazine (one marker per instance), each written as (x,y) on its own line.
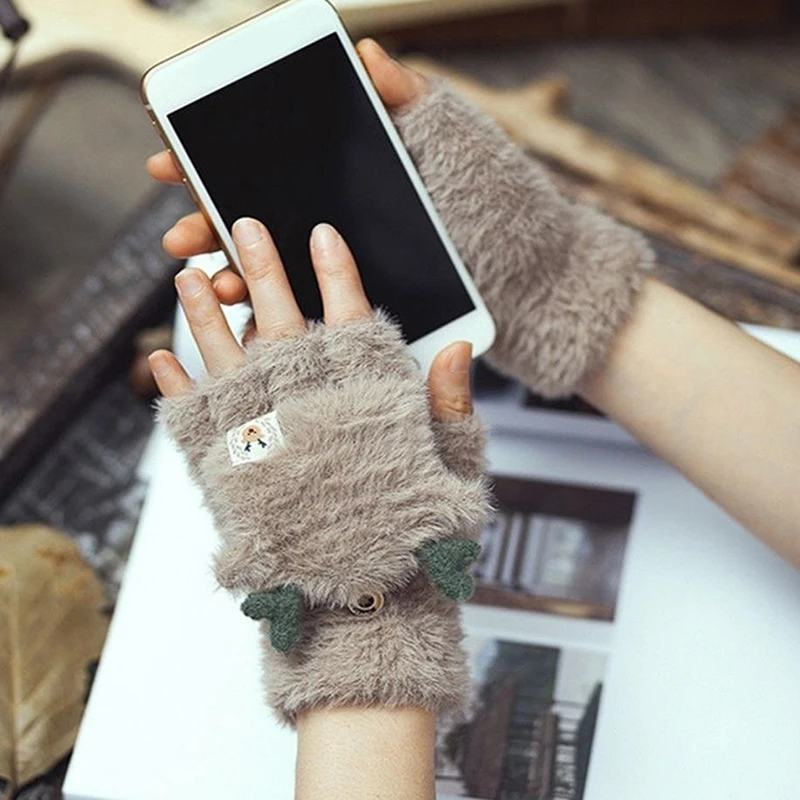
(627,639)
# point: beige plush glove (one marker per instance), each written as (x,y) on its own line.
(559,279)
(348,518)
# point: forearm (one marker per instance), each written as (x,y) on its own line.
(715,403)
(365,754)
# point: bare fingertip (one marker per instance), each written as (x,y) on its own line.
(189,282)
(219,287)
(160,363)
(460,360)
(325,237)
(376,47)
(158,163)
(247,232)
(228,290)
(250,333)
(169,239)
(449,383)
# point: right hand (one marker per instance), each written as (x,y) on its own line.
(398,87)
(330,468)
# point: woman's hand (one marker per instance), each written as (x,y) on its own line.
(348,495)
(398,87)
(338,404)
(277,315)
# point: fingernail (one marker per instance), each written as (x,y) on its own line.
(381,49)
(247,232)
(158,366)
(324,237)
(189,283)
(461,360)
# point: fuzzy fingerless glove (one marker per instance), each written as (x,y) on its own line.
(559,279)
(347,517)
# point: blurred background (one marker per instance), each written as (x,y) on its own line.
(681,118)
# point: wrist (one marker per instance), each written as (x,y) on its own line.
(359,753)
(628,353)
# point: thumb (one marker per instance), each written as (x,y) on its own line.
(449,385)
(397,84)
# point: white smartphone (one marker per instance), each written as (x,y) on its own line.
(277,119)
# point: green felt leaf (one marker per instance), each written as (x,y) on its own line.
(282,607)
(446,565)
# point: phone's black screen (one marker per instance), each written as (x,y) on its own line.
(298,142)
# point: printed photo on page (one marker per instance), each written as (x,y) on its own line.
(551,549)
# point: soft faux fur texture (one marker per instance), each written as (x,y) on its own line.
(365,478)
(559,279)
(462,445)
(359,485)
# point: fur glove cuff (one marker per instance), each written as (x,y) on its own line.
(559,279)
(346,516)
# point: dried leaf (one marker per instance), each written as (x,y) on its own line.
(51,627)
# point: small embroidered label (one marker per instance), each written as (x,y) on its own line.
(255,440)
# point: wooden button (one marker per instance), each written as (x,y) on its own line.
(366,603)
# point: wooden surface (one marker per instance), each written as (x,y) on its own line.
(694,106)
(601,18)
(766,176)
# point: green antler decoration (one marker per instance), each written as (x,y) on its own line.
(446,563)
(282,607)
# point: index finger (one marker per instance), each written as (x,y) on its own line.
(163,168)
